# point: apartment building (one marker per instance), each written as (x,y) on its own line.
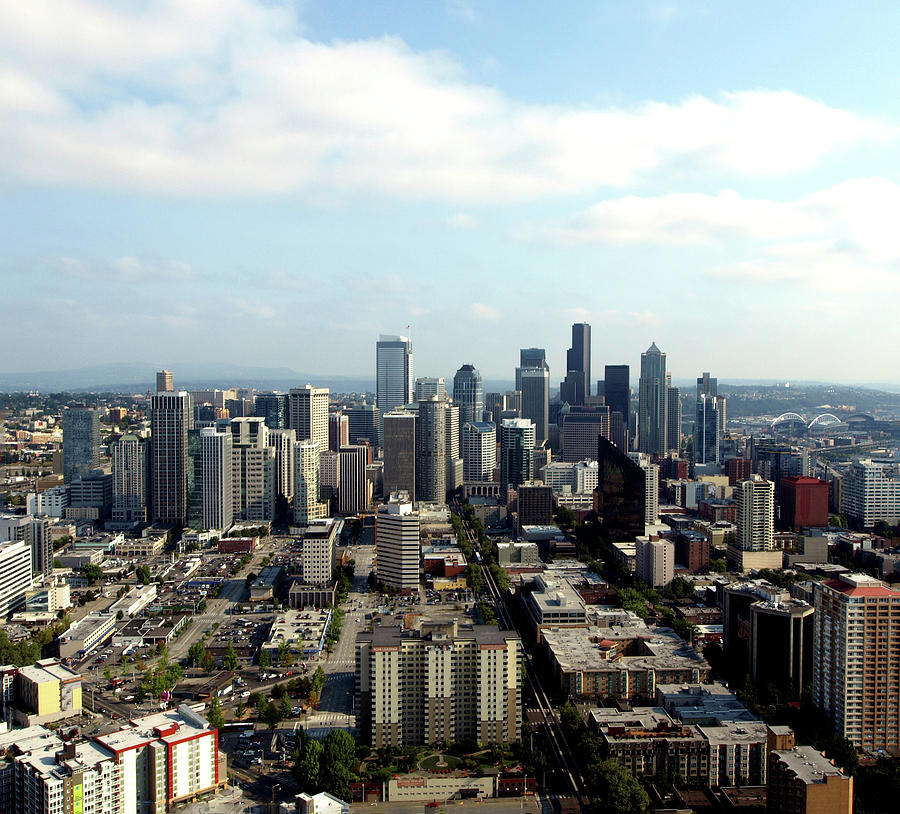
(442,681)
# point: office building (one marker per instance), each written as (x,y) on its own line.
(170,420)
(329,479)
(577,384)
(399,452)
(652,403)
(273,408)
(309,414)
(319,541)
(353,492)
(517,442)
(803,781)
(194,474)
(737,470)
(431,451)
(494,405)
(706,429)
(397,548)
(617,394)
(216,479)
(654,560)
(338,431)
(576,478)
(871,492)
(92,491)
(81,442)
(535,504)
(307,491)
(363,421)
(253,470)
(856,669)
(441,682)
(282,441)
(427,388)
(468,394)
(164,381)
(15,575)
(529,358)
(620,499)
(673,417)
(804,502)
(393,375)
(651,486)
(130,480)
(535,388)
(579,429)
(479,450)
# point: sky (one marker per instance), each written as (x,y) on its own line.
(275,184)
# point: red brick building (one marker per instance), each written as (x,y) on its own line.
(804,502)
(737,469)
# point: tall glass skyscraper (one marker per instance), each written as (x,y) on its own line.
(706,432)
(81,442)
(652,403)
(393,376)
(468,394)
(577,384)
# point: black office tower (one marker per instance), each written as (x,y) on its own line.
(576,386)
(620,494)
(617,392)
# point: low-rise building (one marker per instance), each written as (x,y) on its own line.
(803,781)
(512,554)
(86,634)
(47,691)
(136,599)
(300,631)
(554,603)
(621,662)
(262,589)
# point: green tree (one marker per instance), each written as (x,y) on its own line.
(285,706)
(230,660)
(142,575)
(107,673)
(306,769)
(92,572)
(209,662)
(616,790)
(264,658)
(196,652)
(272,715)
(318,680)
(338,759)
(214,714)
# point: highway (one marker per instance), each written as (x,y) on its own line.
(557,737)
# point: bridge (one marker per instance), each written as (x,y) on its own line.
(822,420)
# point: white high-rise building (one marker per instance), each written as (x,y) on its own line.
(393,375)
(479,450)
(453,462)
(755,514)
(319,542)
(309,413)
(651,487)
(15,575)
(397,549)
(307,506)
(536,399)
(872,492)
(129,470)
(216,483)
(282,442)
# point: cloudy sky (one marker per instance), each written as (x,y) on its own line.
(276,183)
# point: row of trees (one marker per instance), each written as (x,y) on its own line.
(199,656)
(326,766)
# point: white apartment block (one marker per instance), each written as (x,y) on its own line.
(307,506)
(252,470)
(651,487)
(654,560)
(756,514)
(15,575)
(872,492)
(319,543)
(216,479)
(440,682)
(51,502)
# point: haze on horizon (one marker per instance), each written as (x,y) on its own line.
(274,184)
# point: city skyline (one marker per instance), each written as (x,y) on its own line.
(662,172)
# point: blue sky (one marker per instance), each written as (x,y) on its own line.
(276,184)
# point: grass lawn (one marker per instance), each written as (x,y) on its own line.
(442,762)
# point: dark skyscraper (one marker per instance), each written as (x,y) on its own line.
(617,392)
(577,384)
(273,407)
(81,442)
(706,430)
(619,499)
(468,394)
(652,403)
(170,418)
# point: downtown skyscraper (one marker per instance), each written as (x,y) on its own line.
(706,433)
(393,376)
(577,384)
(81,442)
(468,394)
(170,420)
(652,403)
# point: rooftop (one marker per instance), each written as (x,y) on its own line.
(808,764)
(170,726)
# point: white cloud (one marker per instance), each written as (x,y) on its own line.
(841,239)
(485,312)
(124,269)
(225,97)
(462,220)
